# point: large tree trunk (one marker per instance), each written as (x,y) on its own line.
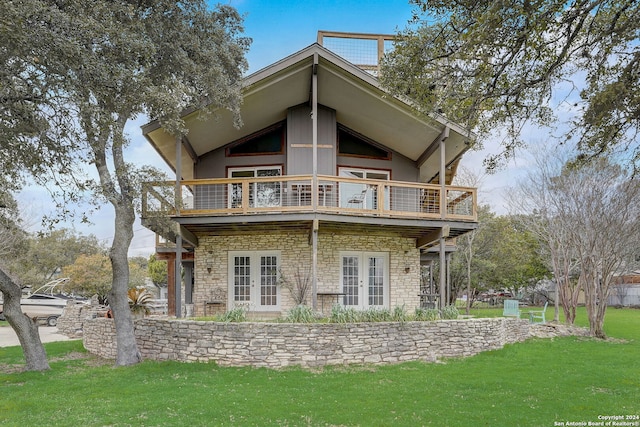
(127,348)
(26,329)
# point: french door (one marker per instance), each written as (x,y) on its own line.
(363,196)
(365,279)
(253,280)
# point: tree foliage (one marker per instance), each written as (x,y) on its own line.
(44,255)
(92,275)
(79,71)
(586,216)
(489,64)
(504,255)
(157,271)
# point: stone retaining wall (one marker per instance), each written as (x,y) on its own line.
(277,345)
(74,315)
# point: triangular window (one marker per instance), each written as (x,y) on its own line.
(351,143)
(267,141)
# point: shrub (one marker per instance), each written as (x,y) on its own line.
(374,315)
(139,300)
(299,287)
(426,314)
(449,312)
(340,314)
(300,314)
(236,314)
(399,314)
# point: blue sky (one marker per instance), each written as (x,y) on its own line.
(280,27)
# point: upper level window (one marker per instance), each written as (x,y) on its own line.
(351,143)
(267,141)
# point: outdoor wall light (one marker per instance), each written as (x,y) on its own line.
(209,265)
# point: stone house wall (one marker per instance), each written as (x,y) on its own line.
(295,250)
(277,345)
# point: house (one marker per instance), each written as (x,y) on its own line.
(625,290)
(330,182)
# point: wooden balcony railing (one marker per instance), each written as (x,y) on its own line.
(296,193)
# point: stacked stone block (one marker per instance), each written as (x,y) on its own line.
(277,345)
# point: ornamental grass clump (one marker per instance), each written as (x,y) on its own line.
(426,314)
(399,314)
(449,312)
(300,314)
(340,314)
(235,315)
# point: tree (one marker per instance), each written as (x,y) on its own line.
(587,218)
(541,202)
(90,275)
(113,61)
(514,255)
(157,271)
(46,253)
(12,239)
(605,207)
(494,64)
(31,139)
(465,264)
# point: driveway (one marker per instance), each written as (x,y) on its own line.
(9,338)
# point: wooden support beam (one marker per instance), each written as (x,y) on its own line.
(433,147)
(432,238)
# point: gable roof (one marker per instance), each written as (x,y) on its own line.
(357,97)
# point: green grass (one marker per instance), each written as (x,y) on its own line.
(535,383)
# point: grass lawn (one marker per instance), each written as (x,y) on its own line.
(536,383)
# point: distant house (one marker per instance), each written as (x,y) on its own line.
(625,290)
(330,179)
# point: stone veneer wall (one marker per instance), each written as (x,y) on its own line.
(295,250)
(277,345)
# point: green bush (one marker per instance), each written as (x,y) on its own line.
(449,312)
(426,314)
(300,314)
(341,314)
(399,314)
(236,314)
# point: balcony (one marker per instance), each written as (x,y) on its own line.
(277,199)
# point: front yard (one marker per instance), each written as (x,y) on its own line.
(536,383)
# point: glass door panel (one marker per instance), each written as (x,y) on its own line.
(350,280)
(241,279)
(376,280)
(268,280)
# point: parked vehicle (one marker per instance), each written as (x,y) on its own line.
(47,302)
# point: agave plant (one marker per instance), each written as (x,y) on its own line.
(139,300)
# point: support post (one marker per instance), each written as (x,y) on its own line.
(178,277)
(178,203)
(443,184)
(314,182)
(443,273)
